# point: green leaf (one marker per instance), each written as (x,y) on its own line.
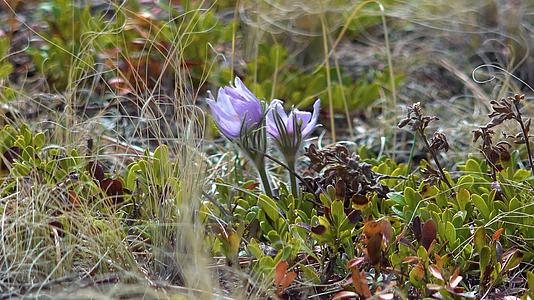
(472,166)
(462,198)
(530,280)
(513,261)
(480,238)
(441,200)
(5,69)
(310,274)
(161,163)
(422,253)
(450,232)
(521,175)
(325,200)
(514,204)
(20,169)
(412,197)
(465,181)
(397,198)
(39,140)
(269,207)
(484,260)
(458,219)
(480,204)
(338,212)
(27,134)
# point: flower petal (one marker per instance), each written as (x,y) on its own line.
(276,107)
(310,126)
(235,107)
(302,118)
(226,106)
(245,103)
(242,88)
(229,124)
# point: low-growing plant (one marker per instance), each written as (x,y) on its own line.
(417,236)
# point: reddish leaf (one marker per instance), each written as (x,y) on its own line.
(416,228)
(497,234)
(386,296)
(344,295)
(428,234)
(371,228)
(360,282)
(58,227)
(387,230)
(374,249)
(355,262)
(282,278)
(440,260)
(73,199)
(251,186)
(410,259)
(113,188)
(96,170)
(121,85)
(435,272)
(418,272)
(288,279)
(319,229)
(455,280)
(433,286)
(373,232)
(280,272)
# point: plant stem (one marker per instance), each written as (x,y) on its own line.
(412,152)
(260,166)
(317,201)
(525,136)
(292,177)
(435,158)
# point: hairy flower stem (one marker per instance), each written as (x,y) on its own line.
(262,171)
(292,177)
(525,135)
(434,157)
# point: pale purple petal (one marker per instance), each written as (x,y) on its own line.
(242,89)
(227,109)
(276,107)
(303,117)
(229,126)
(236,107)
(289,123)
(250,110)
(244,102)
(310,126)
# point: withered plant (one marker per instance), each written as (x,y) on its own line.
(503,110)
(337,166)
(419,123)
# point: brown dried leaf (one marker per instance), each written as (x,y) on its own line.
(360,282)
(280,272)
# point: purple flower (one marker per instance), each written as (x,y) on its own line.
(236,109)
(305,121)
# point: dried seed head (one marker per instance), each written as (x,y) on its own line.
(439,142)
